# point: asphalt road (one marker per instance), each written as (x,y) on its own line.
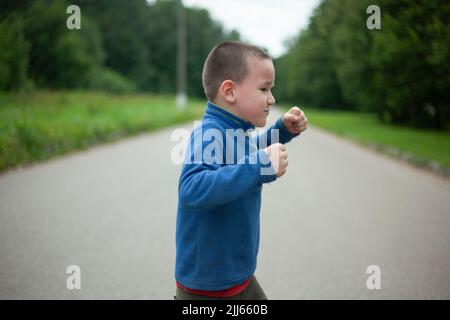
(111,211)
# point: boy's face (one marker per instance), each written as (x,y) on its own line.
(253,95)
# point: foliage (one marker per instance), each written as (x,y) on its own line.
(401,72)
(122,45)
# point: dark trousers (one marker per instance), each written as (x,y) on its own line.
(252,292)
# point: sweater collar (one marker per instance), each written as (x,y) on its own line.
(214,111)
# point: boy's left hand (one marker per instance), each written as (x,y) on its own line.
(295,121)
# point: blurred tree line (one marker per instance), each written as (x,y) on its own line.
(122,46)
(401,72)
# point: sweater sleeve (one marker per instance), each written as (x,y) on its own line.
(205,185)
(284,136)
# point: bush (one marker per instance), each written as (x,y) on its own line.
(108,80)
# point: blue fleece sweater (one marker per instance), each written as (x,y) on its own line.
(217,228)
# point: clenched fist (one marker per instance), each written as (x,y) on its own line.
(278,157)
(295,120)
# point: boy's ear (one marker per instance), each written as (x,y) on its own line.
(226,90)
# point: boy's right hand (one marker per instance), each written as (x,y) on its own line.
(278,157)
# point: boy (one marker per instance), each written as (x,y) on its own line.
(219,192)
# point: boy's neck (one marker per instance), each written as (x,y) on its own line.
(225,106)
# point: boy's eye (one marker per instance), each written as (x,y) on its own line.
(263,89)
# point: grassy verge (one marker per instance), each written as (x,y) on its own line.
(420,147)
(40,125)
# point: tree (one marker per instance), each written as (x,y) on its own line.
(401,72)
(310,63)
(14,53)
(411,61)
(59,58)
(121,46)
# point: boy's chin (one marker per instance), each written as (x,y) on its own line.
(260,123)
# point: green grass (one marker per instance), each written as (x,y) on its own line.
(422,146)
(40,125)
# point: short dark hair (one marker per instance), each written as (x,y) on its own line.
(227,61)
